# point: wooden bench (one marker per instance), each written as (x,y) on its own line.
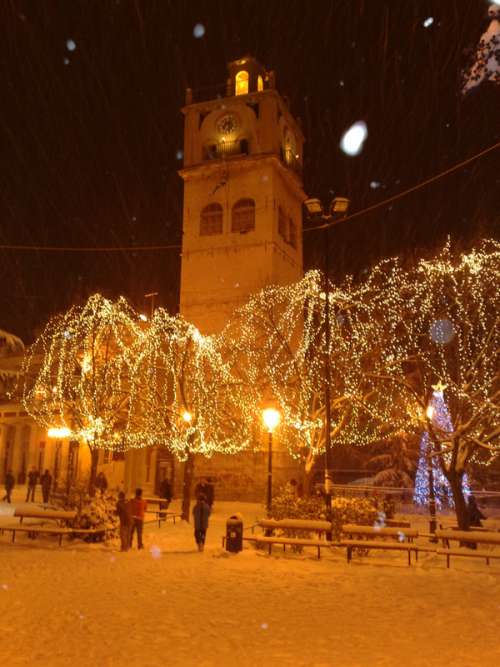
(163,515)
(36,513)
(271,525)
(270,540)
(36,530)
(396,539)
(393,523)
(468,536)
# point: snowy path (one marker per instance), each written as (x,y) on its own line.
(86,605)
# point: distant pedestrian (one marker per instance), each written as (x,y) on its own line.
(201,512)
(200,489)
(9,483)
(32,482)
(209,492)
(46,483)
(138,507)
(475,514)
(123,510)
(165,492)
(101,483)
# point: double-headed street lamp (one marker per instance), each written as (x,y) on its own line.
(337,211)
(271,418)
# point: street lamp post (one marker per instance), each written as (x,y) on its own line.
(430,481)
(271,418)
(338,210)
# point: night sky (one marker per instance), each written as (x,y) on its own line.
(90,128)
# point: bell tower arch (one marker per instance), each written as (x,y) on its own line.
(242,215)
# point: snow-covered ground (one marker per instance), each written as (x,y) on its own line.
(90,605)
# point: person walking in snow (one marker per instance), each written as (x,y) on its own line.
(32,481)
(9,483)
(138,507)
(123,511)
(46,484)
(209,492)
(201,512)
(475,514)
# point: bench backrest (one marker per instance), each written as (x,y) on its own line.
(480,537)
(298,524)
(353,529)
(45,514)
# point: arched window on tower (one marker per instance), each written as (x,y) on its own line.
(243,218)
(282,224)
(260,83)
(211,220)
(241,87)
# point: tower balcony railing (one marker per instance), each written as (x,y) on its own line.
(226,149)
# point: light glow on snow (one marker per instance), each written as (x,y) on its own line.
(353,139)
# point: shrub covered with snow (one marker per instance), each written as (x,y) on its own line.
(96,512)
(344,510)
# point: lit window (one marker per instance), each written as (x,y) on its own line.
(242,83)
(292,233)
(243,219)
(211,220)
(260,83)
(282,224)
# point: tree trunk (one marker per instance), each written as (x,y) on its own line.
(455,479)
(306,477)
(94,460)
(186,485)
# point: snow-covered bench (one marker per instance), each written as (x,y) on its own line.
(321,528)
(37,530)
(374,537)
(473,537)
(37,513)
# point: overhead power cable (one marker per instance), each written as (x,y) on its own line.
(153,248)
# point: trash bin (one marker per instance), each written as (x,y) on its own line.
(234,533)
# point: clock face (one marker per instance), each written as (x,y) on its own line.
(227,124)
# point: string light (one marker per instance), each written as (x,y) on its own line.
(118,382)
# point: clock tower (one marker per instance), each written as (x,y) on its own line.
(242,218)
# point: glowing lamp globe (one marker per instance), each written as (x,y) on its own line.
(59,432)
(271,418)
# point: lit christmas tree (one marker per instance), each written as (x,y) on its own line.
(440,415)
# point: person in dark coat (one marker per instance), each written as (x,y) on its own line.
(101,483)
(475,514)
(209,492)
(32,481)
(9,483)
(125,516)
(46,483)
(201,512)
(138,507)
(200,488)
(165,493)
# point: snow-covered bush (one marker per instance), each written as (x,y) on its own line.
(360,511)
(96,512)
(344,510)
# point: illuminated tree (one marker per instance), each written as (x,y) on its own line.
(78,374)
(184,396)
(276,343)
(441,320)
